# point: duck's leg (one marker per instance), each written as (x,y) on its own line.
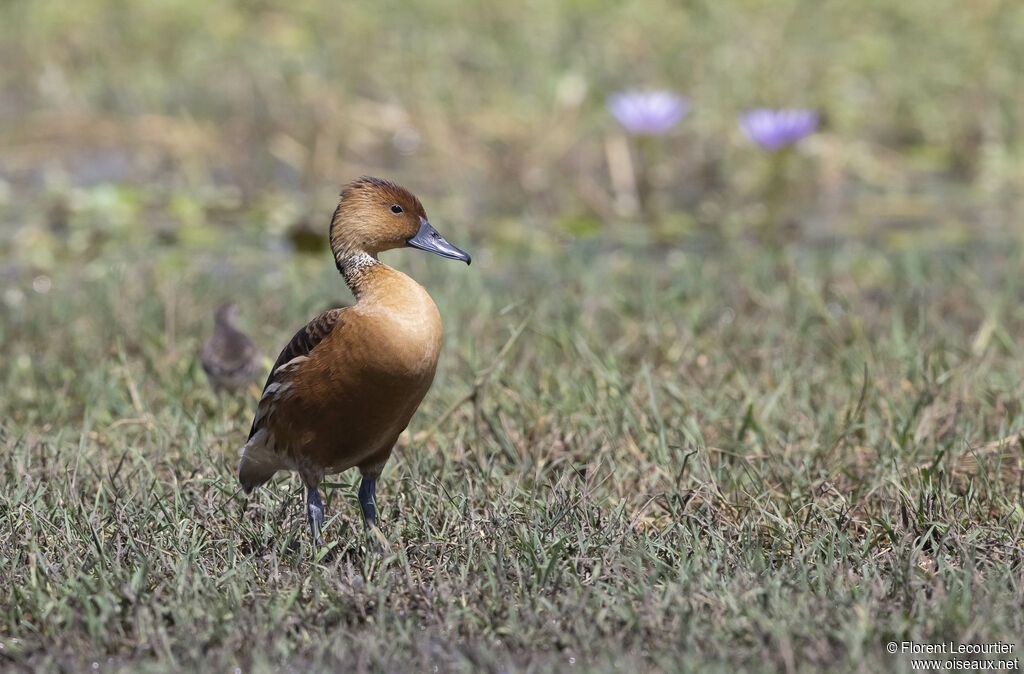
(371,470)
(368,499)
(315,513)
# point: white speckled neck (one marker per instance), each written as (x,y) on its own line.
(353,266)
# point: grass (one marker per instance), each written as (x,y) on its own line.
(698,466)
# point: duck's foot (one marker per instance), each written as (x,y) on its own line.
(315,513)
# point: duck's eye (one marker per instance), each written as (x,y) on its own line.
(396,209)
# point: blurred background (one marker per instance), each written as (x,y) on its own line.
(182,123)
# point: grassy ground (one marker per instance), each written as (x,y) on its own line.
(719,462)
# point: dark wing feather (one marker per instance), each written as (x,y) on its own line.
(304,341)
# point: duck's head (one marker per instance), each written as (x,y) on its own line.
(227,315)
(375,215)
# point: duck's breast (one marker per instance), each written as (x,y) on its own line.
(361,386)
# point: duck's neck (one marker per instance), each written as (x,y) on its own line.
(378,287)
(356,267)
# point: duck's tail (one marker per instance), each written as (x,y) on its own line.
(259,461)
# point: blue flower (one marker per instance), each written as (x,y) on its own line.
(773,129)
(648,113)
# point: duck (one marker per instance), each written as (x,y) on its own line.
(230,358)
(348,383)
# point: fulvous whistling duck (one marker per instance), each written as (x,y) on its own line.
(230,359)
(348,383)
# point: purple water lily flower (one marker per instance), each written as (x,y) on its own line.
(774,129)
(650,113)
